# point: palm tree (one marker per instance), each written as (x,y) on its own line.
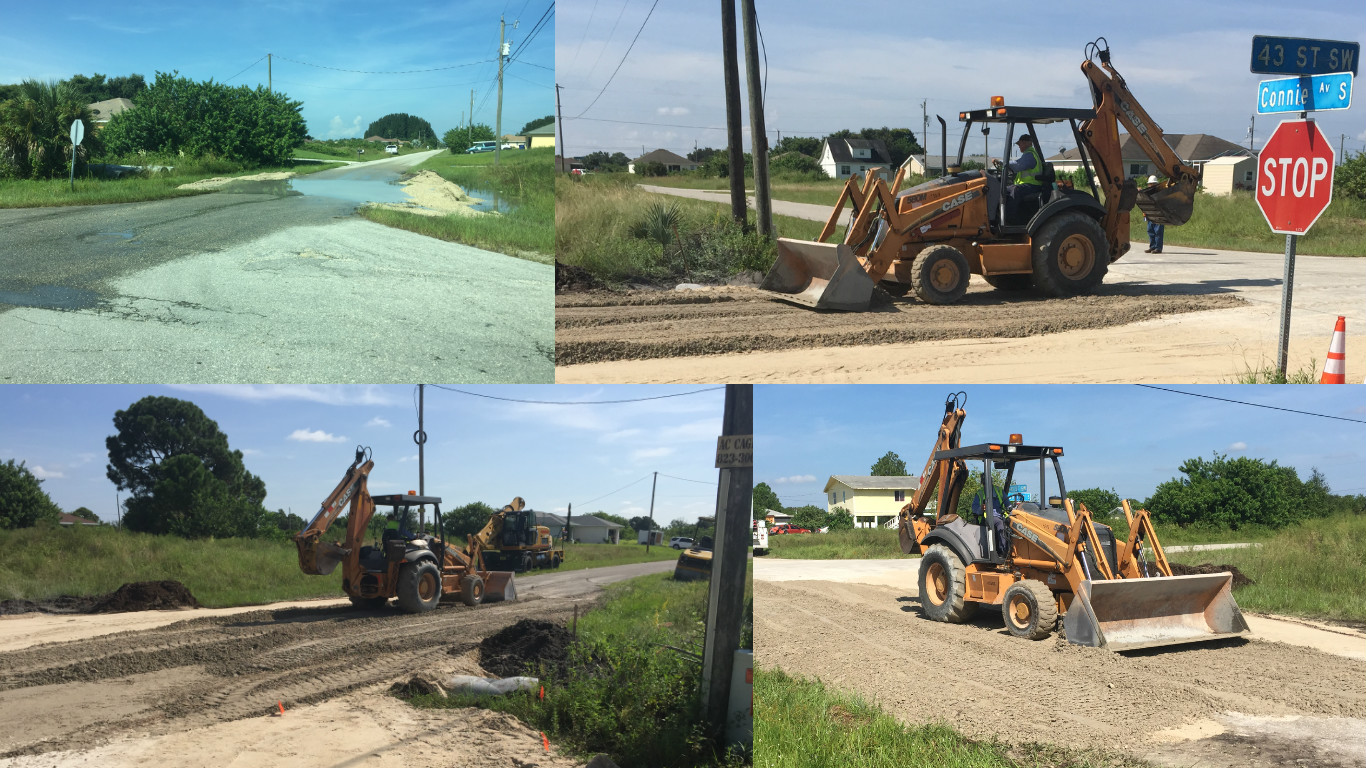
(35,130)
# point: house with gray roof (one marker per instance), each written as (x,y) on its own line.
(101,111)
(673,163)
(842,158)
(1194,148)
(586,529)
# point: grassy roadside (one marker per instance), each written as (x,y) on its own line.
(31,193)
(627,692)
(802,724)
(44,562)
(524,180)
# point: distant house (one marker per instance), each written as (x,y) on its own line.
(1223,175)
(67,518)
(519,141)
(842,158)
(101,111)
(568,164)
(541,137)
(871,500)
(1194,148)
(382,140)
(774,517)
(587,529)
(672,163)
(929,165)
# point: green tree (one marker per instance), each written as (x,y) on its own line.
(1099,500)
(177,115)
(702,155)
(35,131)
(652,169)
(460,139)
(806,145)
(537,123)
(890,465)
(183,477)
(97,88)
(810,517)
(839,519)
(764,499)
(22,499)
(639,524)
(467,520)
(401,125)
(1230,493)
(618,519)
(86,513)
(1349,179)
(798,164)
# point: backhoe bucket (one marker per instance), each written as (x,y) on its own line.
(1125,614)
(498,586)
(820,275)
(1168,205)
(319,558)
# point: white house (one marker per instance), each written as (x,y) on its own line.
(672,163)
(929,165)
(842,158)
(871,500)
(1194,148)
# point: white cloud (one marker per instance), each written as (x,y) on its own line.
(46,474)
(338,129)
(250,452)
(316,436)
(327,394)
(659,452)
(378,422)
(797,479)
(673,111)
(1238,446)
(406,459)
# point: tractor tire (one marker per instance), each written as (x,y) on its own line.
(471,590)
(419,587)
(1070,255)
(1010,283)
(1030,610)
(939,274)
(368,603)
(526,561)
(943,585)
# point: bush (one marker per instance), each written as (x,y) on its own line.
(35,130)
(652,169)
(1349,179)
(178,116)
(797,164)
(22,500)
(1234,493)
(461,139)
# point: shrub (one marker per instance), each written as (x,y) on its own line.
(22,499)
(1235,493)
(1349,179)
(35,129)
(460,139)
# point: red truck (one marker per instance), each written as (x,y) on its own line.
(787,528)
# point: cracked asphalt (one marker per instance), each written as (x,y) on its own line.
(259,286)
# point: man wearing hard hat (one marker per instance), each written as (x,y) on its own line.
(1154,229)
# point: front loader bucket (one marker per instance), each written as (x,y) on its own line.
(1125,614)
(498,586)
(820,275)
(1168,205)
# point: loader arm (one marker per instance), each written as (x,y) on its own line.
(317,557)
(939,474)
(1131,559)
(487,537)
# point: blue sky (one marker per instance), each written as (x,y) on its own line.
(219,40)
(300,439)
(868,64)
(1123,437)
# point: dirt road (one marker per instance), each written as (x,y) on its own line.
(1186,315)
(1236,703)
(202,691)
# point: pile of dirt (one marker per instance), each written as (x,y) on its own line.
(62,604)
(135,596)
(416,685)
(1239,580)
(529,646)
(572,278)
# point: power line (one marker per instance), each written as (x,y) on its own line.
(686,480)
(619,490)
(249,66)
(623,59)
(584,37)
(376,72)
(1254,405)
(576,402)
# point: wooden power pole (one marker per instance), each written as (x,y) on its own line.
(734,137)
(559,117)
(498,129)
(758,136)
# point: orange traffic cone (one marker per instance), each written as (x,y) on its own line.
(1335,367)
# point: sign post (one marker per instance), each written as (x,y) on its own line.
(77,136)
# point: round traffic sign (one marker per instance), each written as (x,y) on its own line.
(1295,176)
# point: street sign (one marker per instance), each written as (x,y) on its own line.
(1023,490)
(1308,93)
(77,132)
(1295,176)
(1300,56)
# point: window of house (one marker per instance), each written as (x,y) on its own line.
(863,153)
(844,170)
(899,495)
(1138,169)
(832,497)
(1247,176)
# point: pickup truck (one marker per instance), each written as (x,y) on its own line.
(782,528)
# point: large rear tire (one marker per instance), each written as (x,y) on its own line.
(1030,610)
(943,585)
(1070,255)
(419,587)
(471,590)
(939,274)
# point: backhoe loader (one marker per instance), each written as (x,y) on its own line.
(929,238)
(1039,560)
(417,568)
(513,539)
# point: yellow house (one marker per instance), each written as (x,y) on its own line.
(873,501)
(543,136)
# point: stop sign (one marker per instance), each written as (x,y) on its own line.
(1295,177)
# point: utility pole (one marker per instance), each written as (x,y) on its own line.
(1342,144)
(498,126)
(469,130)
(734,136)
(1251,126)
(763,206)
(734,513)
(925,126)
(420,437)
(559,116)
(650,534)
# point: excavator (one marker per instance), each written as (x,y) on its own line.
(1039,560)
(928,239)
(417,568)
(514,539)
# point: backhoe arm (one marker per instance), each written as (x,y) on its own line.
(937,475)
(492,530)
(320,558)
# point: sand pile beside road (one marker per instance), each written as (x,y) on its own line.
(432,195)
(220,181)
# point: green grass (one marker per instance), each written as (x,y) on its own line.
(800,723)
(30,193)
(1236,223)
(524,178)
(47,561)
(858,544)
(627,694)
(1269,374)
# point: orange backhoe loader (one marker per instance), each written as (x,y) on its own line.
(514,539)
(929,238)
(415,567)
(1039,560)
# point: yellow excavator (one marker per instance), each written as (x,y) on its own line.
(1040,560)
(928,239)
(417,568)
(513,539)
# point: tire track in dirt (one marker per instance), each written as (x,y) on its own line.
(601,326)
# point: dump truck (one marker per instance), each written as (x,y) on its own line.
(405,562)
(928,239)
(513,539)
(1036,561)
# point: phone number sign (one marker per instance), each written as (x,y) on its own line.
(734,451)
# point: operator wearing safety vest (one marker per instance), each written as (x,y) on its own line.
(1028,168)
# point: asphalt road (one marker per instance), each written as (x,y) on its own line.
(262,284)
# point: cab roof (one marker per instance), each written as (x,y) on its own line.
(1026,114)
(1002,451)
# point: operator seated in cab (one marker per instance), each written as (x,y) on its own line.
(1028,169)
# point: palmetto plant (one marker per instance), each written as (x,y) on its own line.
(661,223)
(35,130)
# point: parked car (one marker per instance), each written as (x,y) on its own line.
(513,145)
(681,542)
(482,146)
(782,528)
(760,537)
(391,149)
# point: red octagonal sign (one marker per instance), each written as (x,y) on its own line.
(1295,177)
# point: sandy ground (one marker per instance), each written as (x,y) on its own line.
(434,196)
(1263,702)
(1187,315)
(221,181)
(202,687)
